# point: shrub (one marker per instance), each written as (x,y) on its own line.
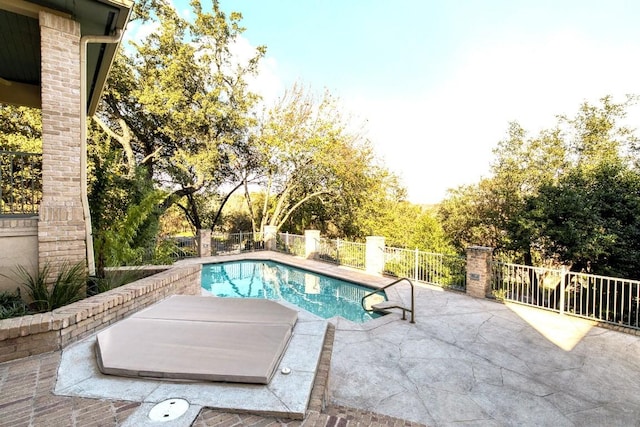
(12,305)
(48,293)
(113,279)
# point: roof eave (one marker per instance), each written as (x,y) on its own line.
(109,56)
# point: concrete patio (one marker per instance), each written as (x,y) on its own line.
(477,362)
(465,361)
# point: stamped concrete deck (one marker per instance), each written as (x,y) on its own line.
(465,362)
(477,362)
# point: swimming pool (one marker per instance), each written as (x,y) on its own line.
(321,295)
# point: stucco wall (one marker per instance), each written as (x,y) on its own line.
(18,246)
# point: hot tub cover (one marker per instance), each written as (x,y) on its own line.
(199,338)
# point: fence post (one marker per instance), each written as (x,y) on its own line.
(563,277)
(374,255)
(270,232)
(415,267)
(204,242)
(311,239)
(479,271)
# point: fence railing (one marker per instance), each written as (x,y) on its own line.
(293,244)
(605,299)
(20,183)
(177,248)
(342,252)
(222,243)
(437,269)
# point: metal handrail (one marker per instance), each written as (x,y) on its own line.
(404,309)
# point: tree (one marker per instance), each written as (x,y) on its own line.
(566,196)
(178,105)
(20,129)
(21,174)
(124,206)
(309,162)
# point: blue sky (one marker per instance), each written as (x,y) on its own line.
(438,81)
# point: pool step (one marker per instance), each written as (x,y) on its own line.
(388,305)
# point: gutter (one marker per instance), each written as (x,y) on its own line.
(84,41)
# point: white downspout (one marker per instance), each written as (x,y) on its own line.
(84,41)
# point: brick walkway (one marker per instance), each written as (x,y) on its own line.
(27,399)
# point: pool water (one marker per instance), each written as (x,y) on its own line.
(321,295)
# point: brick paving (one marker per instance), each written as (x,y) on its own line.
(27,399)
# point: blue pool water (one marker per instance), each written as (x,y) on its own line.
(321,295)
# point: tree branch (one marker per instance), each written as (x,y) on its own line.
(297,205)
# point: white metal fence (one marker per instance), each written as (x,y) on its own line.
(224,243)
(437,269)
(342,252)
(221,243)
(293,244)
(605,299)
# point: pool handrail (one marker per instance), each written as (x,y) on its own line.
(392,304)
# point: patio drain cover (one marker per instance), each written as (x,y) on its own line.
(168,410)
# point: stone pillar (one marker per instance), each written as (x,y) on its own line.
(311,243)
(479,271)
(61,225)
(270,233)
(374,255)
(203,240)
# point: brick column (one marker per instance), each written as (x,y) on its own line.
(61,226)
(311,243)
(479,271)
(203,240)
(374,255)
(270,232)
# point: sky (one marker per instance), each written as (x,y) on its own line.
(437,82)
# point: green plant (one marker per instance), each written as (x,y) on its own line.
(47,293)
(12,305)
(113,279)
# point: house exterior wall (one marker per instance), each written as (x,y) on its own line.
(18,246)
(61,229)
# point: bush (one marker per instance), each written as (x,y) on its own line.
(113,279)
(12,305)
(48,293)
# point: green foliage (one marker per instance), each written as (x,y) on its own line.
(114,279)
(316,170)
(414,227)
(590,220)
(12,305)
(20,129)
(124,206)
(178,104)
(566,196)
(20,183)
(48,292)
(118,243)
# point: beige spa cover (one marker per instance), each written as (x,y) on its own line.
(199,338)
